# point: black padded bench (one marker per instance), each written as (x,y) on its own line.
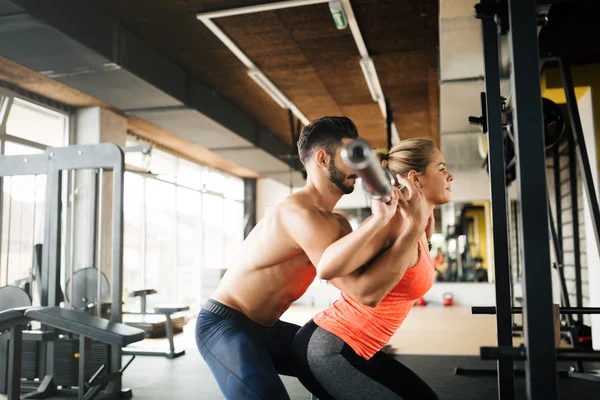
(84,324)
(88,328)
(167,310)
(13,321)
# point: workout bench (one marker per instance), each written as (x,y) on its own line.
(88,328)
(166,310)
(145,318)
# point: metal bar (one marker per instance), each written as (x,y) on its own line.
(143,234)
(575,223)
(583,158)
(177,268)
(558,200)
(490,310)
(24,142)
(32,164)
(118,168)
(540,366)
(249,205)
(506,380)
(14,363)
(5,106)
(50,254)
(33,252)
(556,245)
(1,208)
(557,238)
(72,197)
(91,245)
(10,194)
(169,328)
(521,353)
(99,247)
(515,208)
(85,364)
(258,8)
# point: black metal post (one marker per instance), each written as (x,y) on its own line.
(583,158)
(116,296)
(558,199)
(490,310)
(575,221)
(388,123)
(249,205)
(85,364)
(14,363)
(540,366)
(515,212)
(506,379)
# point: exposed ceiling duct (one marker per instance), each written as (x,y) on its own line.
(90,52)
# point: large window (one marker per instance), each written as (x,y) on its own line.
(180,218)
(25,128)
(36,124)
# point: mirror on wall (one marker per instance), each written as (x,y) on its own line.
(462,249)
(461,243)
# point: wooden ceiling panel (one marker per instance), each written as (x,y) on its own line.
(301,51)
(415,124)
(390,26)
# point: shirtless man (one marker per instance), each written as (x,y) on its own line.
(238,331)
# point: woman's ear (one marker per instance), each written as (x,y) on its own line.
(413,177)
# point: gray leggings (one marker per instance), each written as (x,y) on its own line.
(330,369)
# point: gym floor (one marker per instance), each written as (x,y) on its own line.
(432,342)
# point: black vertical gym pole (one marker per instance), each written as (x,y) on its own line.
(538,319)
(294,157)
(558,198)
(51,253)
(582,156)
(575,222)
(249,205)
(506,380)
(388,123)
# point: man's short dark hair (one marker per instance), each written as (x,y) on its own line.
(325,133)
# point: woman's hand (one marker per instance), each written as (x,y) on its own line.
(383,211)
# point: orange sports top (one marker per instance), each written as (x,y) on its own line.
(368,329)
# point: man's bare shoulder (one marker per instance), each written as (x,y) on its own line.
(300,208)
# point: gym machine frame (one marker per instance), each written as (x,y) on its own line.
(52,163)
(519,19)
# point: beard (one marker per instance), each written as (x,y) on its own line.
(337,177)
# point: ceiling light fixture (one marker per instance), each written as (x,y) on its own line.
(368,69)
(339,16)
(268,86)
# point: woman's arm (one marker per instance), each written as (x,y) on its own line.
(354,249)
(371,284)
(331,245)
